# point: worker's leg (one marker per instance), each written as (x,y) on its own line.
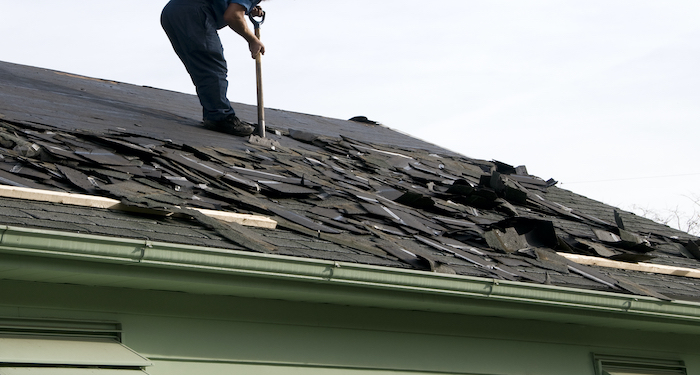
(192,32)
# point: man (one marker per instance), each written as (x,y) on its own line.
(191,26)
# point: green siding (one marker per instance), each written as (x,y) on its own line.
(55,257)
(186,333)
(165,368)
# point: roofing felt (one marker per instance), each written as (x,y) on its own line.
(350,191)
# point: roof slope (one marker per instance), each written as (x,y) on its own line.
(344,191)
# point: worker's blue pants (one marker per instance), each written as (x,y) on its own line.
(191,29)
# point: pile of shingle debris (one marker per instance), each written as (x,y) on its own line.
(428,211)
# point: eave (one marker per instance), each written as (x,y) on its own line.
(69,258)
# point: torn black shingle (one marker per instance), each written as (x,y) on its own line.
(9,165)
(11,179)
(79,179)
(103,157)
(301,220)
(366,195)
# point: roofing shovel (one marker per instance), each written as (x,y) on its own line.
(258,73)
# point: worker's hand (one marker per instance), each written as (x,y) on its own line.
(257,12)
(256,47)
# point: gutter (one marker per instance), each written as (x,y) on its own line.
(229,272)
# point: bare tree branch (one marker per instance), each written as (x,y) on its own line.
(686,219)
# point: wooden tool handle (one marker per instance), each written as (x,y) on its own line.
(261,104)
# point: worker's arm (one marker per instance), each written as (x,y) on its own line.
(235,17)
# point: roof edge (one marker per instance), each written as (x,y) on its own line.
(310,280)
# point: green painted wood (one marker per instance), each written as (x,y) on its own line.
(49,256)
(187,333)
(65,371)
(47,350)
(177,368)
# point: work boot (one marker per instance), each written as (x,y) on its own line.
(230,125)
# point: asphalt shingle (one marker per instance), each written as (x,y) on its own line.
(344,191)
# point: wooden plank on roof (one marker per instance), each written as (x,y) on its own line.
(243,219)
(643,267)
(108,203)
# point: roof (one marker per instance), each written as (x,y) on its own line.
(345,191)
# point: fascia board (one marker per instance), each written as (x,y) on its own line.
(300,279)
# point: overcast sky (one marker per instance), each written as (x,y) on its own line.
(603,96)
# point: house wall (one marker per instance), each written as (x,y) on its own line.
(204,334)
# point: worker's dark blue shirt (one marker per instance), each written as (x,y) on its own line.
(219,7)
(191,26)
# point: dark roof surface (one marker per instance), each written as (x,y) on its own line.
(340,190)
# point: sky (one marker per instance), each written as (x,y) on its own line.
(602,96)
